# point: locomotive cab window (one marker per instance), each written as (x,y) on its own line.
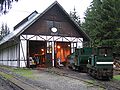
(105,51)
(101,51)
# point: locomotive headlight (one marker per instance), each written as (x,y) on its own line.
(88,61)
(105,55)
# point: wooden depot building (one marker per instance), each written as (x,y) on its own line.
(49,35)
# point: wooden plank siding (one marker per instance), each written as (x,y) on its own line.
(53,17)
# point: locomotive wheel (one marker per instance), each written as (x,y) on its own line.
(93,73)
(89,71)
(99,74)
(73,67)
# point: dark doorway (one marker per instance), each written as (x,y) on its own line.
(37,50)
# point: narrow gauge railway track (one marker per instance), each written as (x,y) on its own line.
(110,85)
(10,85)
(19,84)
(75,75)
(106,84)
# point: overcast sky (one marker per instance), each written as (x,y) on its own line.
(23,8)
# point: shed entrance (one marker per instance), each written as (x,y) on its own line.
(37,50)
(63,49)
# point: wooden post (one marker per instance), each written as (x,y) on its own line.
(53,53)
(28,61)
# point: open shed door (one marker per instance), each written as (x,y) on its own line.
(63,49)
(37,50)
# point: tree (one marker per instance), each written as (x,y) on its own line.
(102,22)
(5,4)
(4,30)
(75,17)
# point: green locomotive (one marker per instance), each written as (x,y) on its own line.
(100,63)
(79,59)
(97,62)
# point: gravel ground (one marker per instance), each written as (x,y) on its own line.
(49,80)
(106,84)
(64,79)
(52,81)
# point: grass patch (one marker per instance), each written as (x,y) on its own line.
(20,71)
(24,72)
(117,77)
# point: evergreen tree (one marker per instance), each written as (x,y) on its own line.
(102,22)
(5,5)
(75,17)
(4,30)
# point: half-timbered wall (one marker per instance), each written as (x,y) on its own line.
(75,42)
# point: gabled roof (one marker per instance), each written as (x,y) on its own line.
(19,29)
(24,24)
